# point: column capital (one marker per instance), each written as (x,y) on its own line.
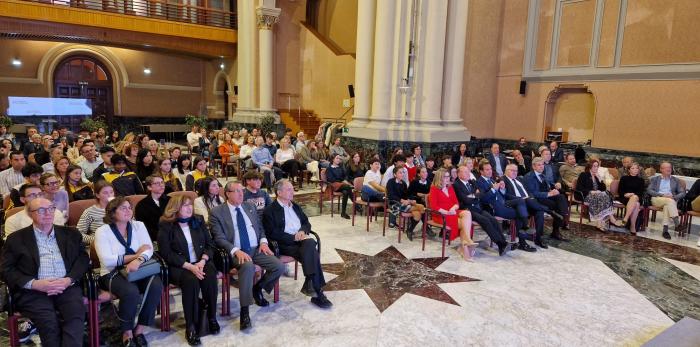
(267,17)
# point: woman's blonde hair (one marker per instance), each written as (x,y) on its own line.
(437,180)
(174,205)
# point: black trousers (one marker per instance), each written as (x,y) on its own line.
(129,294)
(59,318)
(306,253)
(292,168)
(190,287)
(557,204)
(489,224)
(346,190)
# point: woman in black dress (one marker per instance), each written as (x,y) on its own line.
(631,191)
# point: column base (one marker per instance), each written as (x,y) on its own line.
(409,133)
(252,116)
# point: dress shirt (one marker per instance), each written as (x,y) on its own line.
(252,235)
(21,220)
(665,186)
(50,259)
(8,179)
(517,184)
(292,224)
(498,168)
(262,156)
(190,246)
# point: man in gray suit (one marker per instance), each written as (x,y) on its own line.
(665,191)
(236,228)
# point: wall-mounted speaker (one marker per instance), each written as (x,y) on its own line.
(351,90)
(235,90)
(523,87)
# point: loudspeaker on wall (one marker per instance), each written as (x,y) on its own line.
(351,90)
(523,87)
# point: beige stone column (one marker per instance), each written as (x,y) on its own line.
(366,10)
(383,82)
(458,12)
(431,59)
(246,57)
(266,18)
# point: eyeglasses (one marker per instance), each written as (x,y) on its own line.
(44,210)
(52,183)
(157,183)
(34,195)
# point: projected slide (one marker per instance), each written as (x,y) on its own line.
(28,106)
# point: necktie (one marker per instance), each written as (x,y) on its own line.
(242,231)
(520,190)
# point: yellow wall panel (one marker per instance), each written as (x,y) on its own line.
(608,33)
(545,19)
(576,33)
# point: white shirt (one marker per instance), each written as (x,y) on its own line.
(389,174)
(517,184)
(111,252)
(193,139)
(283,155)
(252,235)
(371,176)
(8,179)
(246,151)
(21,220)
(292,224)
(190,245)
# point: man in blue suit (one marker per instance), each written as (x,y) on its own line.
(497,160)
(494,196)
(547,195)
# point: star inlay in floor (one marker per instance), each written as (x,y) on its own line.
(388,275)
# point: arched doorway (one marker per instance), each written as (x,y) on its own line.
(570,109)
(222,98)
(84,77)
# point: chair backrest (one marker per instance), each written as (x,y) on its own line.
(427,200)
(135,199)
(358,182)
(6,202)
(323,175)
(614,172)
(75,210)
(614,186)
(682,185)
(13,211)
(191,195)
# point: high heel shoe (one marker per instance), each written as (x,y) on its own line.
(467,251)
(618,224)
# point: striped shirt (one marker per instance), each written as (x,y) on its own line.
(8,179)
(50,260)
(91,219)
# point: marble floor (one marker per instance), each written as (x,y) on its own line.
(597,290)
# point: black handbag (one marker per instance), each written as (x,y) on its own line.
(148,268)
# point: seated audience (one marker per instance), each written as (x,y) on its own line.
(401,202)
(430,166)
(253,194)
(631,190)
(551,170)
(124,182)
(246,151)
(131,153)
(290,228)
(624,170)
(693,195)
(557,152)
(397,161)
(524,148)
(665,191)
(418,158)
(420,186)
(61,168)
(55,153)
(271,144)
(106,154)
(175,154)
(336,148)
(603,173)
(184,167)
(237,229)
(165,171)
(264,161)
(13,176)
(461,156)
(32,175)
(458,222)
(124,243)
(446,162)
(336,177)
(93,217)
(497,159)
(411,170)
(51,188)
(321,154)
(207,197)
(22,219)
(569,171)
(185,244)
(200,171)
(594,194)
(145,164)
(522,162)
(547,195)
(44,286)
(151,208)
(75,186)
(372,190)
(355,167)
(228,150)
(285,158)
(305,159)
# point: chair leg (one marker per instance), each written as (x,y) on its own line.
(332,205)
(369,215)
(95,324)
(444,235)
(424,228)
(12,322)
(276,297)
(398,227)
(354,211)
(386,210)
(513,230)
(165,309)
(320,203)
(296,267)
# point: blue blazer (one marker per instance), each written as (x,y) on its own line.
(488,196)
(501,159)
(534,187)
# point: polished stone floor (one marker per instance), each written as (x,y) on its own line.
(599,289)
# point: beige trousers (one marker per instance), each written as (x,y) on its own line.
(670,209)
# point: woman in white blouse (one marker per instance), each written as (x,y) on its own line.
(185,244)
(285,158)
(208,197)
(124,243)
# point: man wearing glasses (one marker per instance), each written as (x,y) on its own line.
(42,263)
(236,228)
(23,219)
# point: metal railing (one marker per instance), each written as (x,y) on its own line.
(340,119)
(159,9)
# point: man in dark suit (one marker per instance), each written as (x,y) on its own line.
(557,152)
(495,197)
(469,197)
(42,264)
(498,161)
(516,191)
(150,208)
(236,228)
(547,195)
(288,225)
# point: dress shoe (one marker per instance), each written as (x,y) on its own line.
(523,246)
(214,327)
(192,337)
(140,340)
(245,321)
(259,297)
(129,343)
(503,248)
(666,235)
(308,288)
(557,236)
(321,301)
(541,243)
(344,215)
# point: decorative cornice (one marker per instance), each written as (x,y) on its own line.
(267,17)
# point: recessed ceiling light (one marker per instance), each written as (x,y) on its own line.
(16,62)
(222,66)
(147,71)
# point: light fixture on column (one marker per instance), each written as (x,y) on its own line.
(147,71)
(222,66)
(16,62)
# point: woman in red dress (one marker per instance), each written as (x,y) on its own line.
(459,222)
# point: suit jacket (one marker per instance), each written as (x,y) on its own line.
(558,155)
(655,183)
(501,159)
(273,220)
(172,244)
(536,188)
(221,225)
(584,184)
(488,196)
(510,188)
(463,191)
(149,213)
(20,256)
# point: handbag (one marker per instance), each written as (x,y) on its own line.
(148,268)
